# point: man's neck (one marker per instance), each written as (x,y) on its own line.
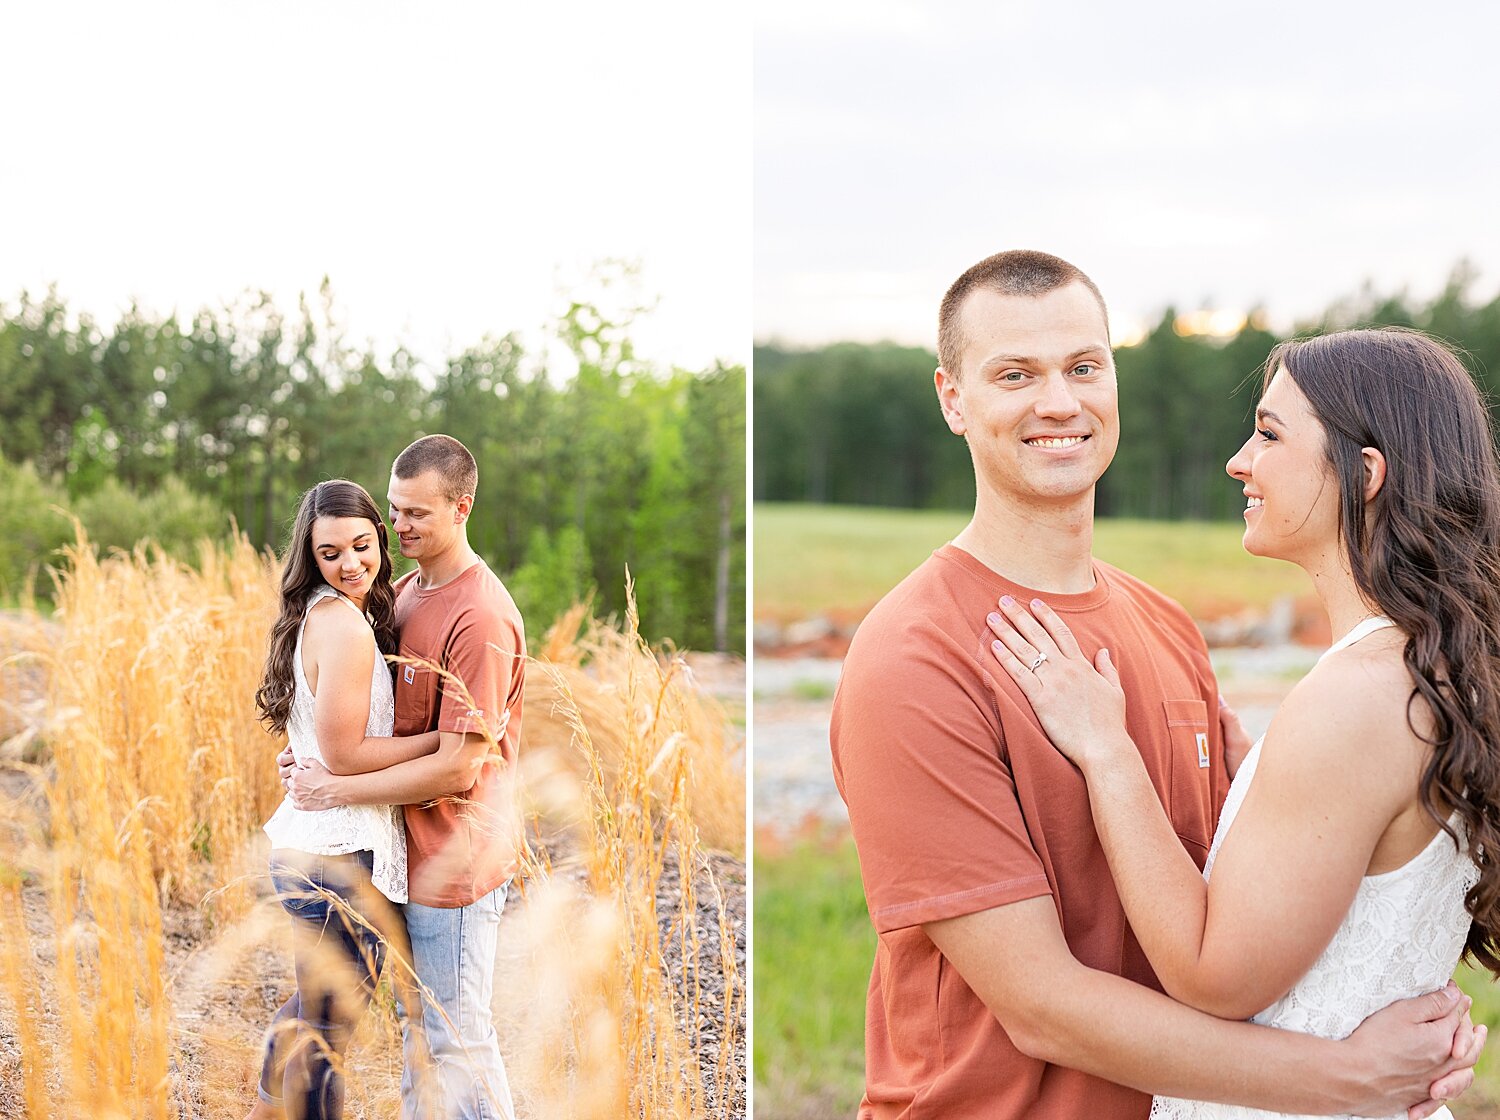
(1041,547)
(447,567)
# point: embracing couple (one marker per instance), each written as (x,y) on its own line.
(397,837)
(1083,875)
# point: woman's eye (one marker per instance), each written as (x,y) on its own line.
(1266,434)
(361,548)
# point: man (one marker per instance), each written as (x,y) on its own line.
(461,824)
(1007,982)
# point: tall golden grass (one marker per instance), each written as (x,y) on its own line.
(158,776)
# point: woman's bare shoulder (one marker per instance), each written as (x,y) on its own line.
(335,621)
(1355,702)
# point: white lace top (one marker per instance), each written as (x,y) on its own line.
(1402,937)
(344,828)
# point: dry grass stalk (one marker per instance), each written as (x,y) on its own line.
(159,775)
(638,733)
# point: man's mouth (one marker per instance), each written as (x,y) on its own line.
(1054,441)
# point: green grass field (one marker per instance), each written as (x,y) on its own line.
(814,946)
(842,559)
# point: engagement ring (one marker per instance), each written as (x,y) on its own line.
(1035,664)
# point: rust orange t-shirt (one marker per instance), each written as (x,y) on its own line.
(959,803)
(462,847)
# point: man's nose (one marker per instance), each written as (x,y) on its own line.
(1057,399)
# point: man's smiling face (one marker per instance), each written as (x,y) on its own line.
(425,521)
(1036,396)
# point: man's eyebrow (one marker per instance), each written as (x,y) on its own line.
(1026,360)
(1008,360)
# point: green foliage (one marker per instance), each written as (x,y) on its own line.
(249,405)
(35,522)
(1484,1098)
(555,576)
(31,528)
(171,515)
(854,424)
(814,948)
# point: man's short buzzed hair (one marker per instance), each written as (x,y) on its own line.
(1018,272)
(447,457)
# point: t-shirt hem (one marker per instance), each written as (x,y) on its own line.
(903,915)
(454,901)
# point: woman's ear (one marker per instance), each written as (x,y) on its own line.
(1374,465)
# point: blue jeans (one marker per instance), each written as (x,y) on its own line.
(338,963)
(452,1057)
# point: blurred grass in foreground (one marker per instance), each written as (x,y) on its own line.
(814,947)
(626,995)
(811,558)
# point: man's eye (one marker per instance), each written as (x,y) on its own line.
(1012,376)
(1085,368)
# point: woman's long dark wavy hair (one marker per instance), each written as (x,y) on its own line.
(335,498)
(1426,552)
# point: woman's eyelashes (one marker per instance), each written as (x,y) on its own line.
(357,548)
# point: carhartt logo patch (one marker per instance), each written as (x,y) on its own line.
(409,675)
(1202,750)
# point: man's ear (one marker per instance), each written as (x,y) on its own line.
(465,507)
(950,400)
(1374,467)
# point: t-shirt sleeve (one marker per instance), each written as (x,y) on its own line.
(483,653)
(933,808)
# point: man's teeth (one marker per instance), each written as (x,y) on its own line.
(1060,441)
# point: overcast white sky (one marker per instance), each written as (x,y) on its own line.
(1199,155)
(451,167)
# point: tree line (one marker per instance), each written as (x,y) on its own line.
(581,474)
(859,424)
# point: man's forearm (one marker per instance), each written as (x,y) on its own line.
(407,783)
(377,752)
(1054,1008)
(1122,1032)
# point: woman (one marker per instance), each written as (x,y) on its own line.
(1351,875)
(337,871)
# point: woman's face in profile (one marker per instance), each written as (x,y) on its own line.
(1291,493)
(347,552)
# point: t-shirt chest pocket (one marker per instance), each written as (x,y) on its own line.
(1190,803)
(416,696)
